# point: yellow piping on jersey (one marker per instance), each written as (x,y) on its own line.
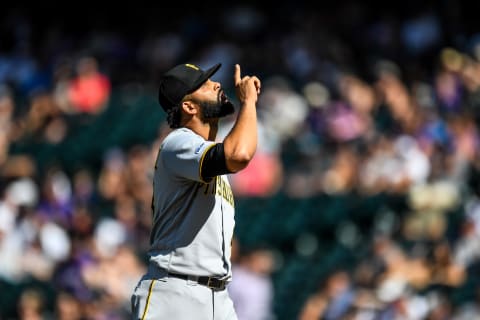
(148,299)
(201,161)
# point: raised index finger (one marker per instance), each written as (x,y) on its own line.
(236,76)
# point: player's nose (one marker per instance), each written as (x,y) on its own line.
(216,85)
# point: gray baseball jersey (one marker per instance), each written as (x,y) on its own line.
(193,220)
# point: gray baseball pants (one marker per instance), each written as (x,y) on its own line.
(160,297)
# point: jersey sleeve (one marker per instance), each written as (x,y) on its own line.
(184,153)
(214,163)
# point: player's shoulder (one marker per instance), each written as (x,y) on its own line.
(182,133)
(179,137)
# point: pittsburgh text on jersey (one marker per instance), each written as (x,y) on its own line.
(221,188)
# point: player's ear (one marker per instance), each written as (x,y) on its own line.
(189,107)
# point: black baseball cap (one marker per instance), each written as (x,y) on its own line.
(181,80)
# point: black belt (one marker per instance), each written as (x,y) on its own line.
(211,282)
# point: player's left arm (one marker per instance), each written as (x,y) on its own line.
(241,142)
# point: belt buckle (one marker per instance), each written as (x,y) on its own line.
(211,285)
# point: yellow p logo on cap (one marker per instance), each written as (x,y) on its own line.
(192,66)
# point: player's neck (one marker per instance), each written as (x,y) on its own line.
(212,134)
(207,130)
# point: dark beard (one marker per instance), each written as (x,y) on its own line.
(218,109)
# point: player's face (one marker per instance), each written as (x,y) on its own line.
(212,100)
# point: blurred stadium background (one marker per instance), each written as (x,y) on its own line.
(363,201)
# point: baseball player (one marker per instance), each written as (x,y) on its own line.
(193,205)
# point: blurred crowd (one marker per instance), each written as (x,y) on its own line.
(370,103)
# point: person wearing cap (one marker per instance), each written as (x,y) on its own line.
(192,204)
